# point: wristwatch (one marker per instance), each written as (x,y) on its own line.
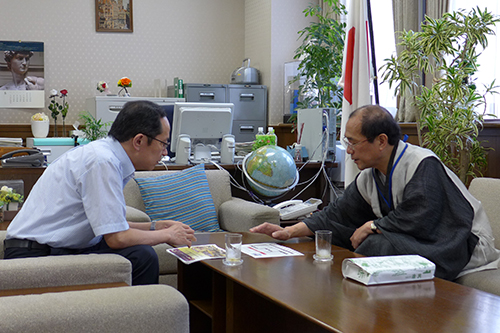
(153,226)
(374,228)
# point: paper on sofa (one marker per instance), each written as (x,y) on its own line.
(388,269)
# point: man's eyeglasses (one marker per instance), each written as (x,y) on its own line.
(348,144)
(165,144)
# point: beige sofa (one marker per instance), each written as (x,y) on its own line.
(125,309)
(486,190)
(68,270)
(234,214)
(152,308)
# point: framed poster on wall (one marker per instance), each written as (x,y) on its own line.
(22,78)
(113,16)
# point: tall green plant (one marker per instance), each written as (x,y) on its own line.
(320,57)
(450,111)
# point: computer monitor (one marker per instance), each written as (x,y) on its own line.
(205,123)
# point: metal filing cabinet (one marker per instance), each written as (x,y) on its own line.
(198,92)
(250,110)
(250,104)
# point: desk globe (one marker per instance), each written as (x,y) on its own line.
(270,171)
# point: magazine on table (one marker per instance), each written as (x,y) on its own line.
(196,253)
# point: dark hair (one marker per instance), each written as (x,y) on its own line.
(137,117)
(376,120)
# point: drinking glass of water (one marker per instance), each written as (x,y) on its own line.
(233,250)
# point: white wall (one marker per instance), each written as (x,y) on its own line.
(201,41)
(270,40)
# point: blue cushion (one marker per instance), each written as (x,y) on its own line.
(182,196)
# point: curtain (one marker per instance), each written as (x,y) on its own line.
(435,9)
(408,16)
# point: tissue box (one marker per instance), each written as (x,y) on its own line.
(388,269)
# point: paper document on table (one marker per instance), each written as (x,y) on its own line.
(196,253)
(268,250)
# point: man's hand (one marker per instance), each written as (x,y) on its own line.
(360,234)
(177,233)
(272,230)
(164,224)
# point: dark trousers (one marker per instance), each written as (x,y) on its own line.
(145,267)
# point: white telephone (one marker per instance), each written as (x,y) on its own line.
(292,209)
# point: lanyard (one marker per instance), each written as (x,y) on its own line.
(389,202)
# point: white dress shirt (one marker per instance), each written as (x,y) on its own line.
(78,198)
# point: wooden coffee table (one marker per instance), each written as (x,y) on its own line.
(295,294)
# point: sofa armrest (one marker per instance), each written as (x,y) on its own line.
(240,215)
(487,280)
(136,215)
(152,308)
(67,270)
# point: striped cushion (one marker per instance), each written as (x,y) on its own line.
(182,196)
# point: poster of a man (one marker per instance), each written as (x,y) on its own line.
(21,66)
(22,78)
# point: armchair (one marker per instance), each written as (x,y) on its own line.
(486,190)
(56,271)
(151,308)
(233,214)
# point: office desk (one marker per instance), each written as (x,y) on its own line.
(295,294)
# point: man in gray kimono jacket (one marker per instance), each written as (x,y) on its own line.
(404,201)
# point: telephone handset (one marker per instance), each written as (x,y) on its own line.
(23,158)
(292,209)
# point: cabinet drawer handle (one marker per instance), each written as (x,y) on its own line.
(207,95)
(246,128)
(115,108)
(246,96)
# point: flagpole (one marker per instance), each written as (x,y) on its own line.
(372,44)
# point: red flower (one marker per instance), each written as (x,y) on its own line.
(64,92)
(104,85)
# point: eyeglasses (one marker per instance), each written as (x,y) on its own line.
(348,144)
(165,144)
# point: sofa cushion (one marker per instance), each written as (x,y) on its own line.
(182,196)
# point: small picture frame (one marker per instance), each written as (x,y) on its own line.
(114,16)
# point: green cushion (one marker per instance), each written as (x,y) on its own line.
(182,196)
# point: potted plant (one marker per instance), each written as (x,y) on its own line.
(9,198)
(94,129)
(320,56)
(450,112)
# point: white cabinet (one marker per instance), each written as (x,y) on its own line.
(107,107)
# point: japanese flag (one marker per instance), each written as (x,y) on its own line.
(356,71)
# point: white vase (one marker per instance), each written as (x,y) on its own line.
(40,129)
(11,206)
